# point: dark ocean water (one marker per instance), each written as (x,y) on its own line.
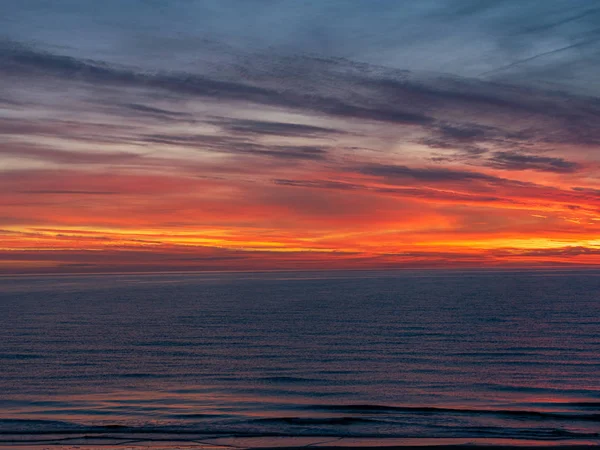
(467,355)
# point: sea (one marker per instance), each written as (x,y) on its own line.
(311,358)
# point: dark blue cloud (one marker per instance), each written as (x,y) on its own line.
(237,146)
(518,39)
(521,161)
(154,112)
(399,173)
(471,121)
(263,127)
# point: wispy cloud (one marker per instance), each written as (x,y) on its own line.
(399,174)
(521,161)
(346,90)
(369,140)
(261,127)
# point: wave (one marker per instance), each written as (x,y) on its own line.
(20,356)
(289,379)
(317,420)
(117,432)
(526,414)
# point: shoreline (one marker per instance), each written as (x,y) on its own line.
(293,443)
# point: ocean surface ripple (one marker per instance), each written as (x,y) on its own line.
(494,355)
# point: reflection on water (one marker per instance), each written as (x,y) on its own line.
(495,355)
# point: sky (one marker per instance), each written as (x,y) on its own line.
(298,134)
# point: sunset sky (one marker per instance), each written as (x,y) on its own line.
(291,134)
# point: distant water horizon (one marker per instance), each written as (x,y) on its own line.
(326,270)
(449,355)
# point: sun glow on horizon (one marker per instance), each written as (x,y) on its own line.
(200,152)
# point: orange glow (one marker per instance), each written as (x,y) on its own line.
(263,186)
(127,221)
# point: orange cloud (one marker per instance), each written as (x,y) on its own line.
(171,171)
